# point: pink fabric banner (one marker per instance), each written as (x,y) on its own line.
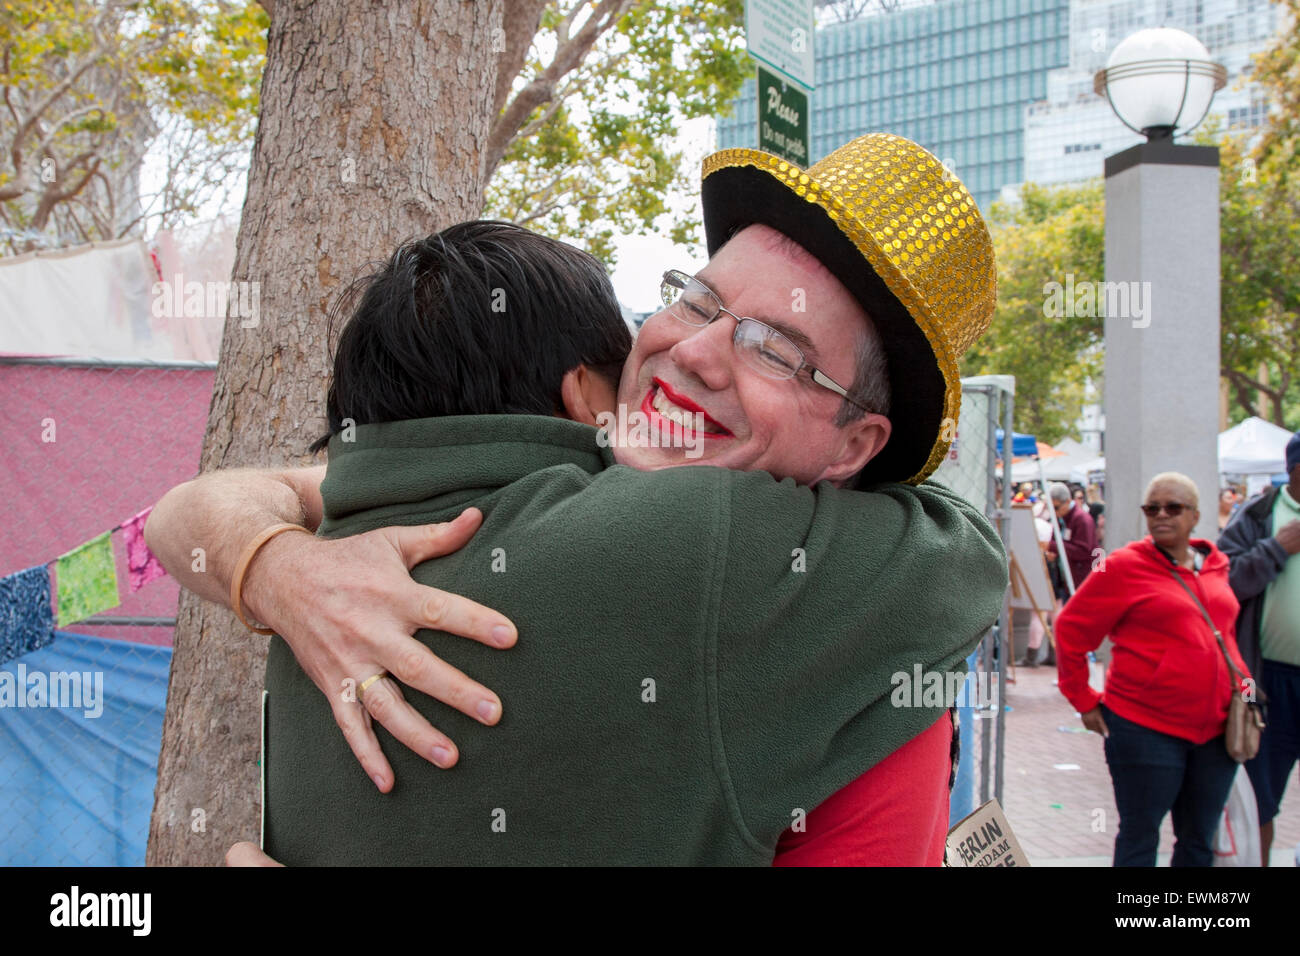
(141,565)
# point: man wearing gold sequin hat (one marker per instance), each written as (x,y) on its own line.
(707,658)
(860,281)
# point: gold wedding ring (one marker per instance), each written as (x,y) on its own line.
(367,682)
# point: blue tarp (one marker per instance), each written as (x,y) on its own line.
(77,789)
(1021,445)
(961,803)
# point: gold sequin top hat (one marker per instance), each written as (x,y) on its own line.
(905,237)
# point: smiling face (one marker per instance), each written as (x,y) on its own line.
(1169,531)
(783,426)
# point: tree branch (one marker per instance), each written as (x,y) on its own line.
(60,88)
(1243,385)
(525,16)
(540,91)
(575,82)
(8,102)
(540,120)
(44,143)
(53,197)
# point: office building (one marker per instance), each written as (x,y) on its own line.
(1002,90)
(1069,134)
(955,76)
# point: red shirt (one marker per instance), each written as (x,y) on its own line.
(1079,534)
(895,814)
(1167,672)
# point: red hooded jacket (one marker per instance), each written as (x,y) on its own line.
(1167,672)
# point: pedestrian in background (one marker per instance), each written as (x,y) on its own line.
(1165,705)
(1261,544)
(1078,534)
(1098,511)
(1043,529)
(1228,504)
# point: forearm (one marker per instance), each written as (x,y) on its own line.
(347,608)
(1075,637)
(199,529)
(1253,569)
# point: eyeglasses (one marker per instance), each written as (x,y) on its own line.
(1172,508)
(763,348)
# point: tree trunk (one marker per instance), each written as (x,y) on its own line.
(374,122)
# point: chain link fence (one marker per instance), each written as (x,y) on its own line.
(88,444)
(971,471)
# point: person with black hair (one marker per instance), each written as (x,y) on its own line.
(758,620)
(1261,541)
(521,287)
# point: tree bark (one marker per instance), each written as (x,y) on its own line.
(374,127)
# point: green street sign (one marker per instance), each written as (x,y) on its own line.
(782,118)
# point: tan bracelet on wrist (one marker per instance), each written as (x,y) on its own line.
(241,568)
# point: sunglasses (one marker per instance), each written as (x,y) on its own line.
(1171,508)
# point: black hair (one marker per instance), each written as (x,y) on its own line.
(483,318)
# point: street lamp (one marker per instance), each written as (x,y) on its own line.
(1162,250)
(1160,81)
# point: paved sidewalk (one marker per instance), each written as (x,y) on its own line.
(1067,817)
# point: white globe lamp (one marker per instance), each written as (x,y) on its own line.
(1160,82)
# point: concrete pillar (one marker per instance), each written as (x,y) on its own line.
(1162,328)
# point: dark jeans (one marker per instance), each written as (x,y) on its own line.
(1154,773)
(1279,745)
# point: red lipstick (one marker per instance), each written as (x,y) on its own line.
(681,401)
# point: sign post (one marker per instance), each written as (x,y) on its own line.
(779,34)
(782,118)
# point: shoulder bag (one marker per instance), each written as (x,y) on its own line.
(1245,718)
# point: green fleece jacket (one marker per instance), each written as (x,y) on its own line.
(703,653)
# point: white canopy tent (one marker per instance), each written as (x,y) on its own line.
(1089,466)
(1074,465)
(1069,467)
(1255,447)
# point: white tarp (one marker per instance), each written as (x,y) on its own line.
(1069,446)
(97,301)
(1254,447)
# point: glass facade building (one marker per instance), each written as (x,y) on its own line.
(1069,134)
(1001,90)
(955,76)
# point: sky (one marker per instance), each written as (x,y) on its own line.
(641,260)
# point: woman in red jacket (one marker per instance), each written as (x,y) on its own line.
(1167,690)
